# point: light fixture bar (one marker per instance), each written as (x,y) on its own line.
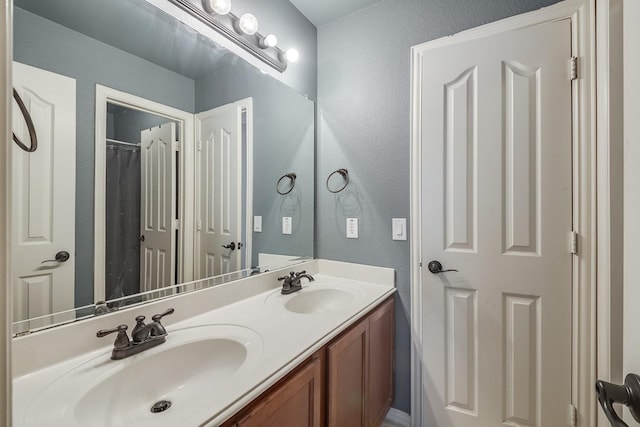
(250,43)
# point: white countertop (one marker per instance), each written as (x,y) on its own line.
(285,339)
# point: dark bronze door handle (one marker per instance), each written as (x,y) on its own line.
(231,246)
(436,267)
(61,256)
(628,394)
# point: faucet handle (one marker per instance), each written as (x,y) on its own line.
(157,317)
(104,332)
(122,340)
(299,273)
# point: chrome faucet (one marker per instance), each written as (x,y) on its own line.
(291,283)
(143,337)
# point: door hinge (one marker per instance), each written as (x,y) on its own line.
(574,242)
(199,146)
(176,224)
(573,416)
(573,68)
(176,145)
(420,264)
(199,225)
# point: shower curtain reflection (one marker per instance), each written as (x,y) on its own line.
(122,220)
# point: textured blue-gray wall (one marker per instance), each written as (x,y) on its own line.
(363,125)
(45,44)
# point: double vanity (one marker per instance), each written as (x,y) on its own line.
(237,354)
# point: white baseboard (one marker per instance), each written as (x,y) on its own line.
(398,417)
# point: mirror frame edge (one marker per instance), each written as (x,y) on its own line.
(6,58)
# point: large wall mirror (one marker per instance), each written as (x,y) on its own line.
(158,160)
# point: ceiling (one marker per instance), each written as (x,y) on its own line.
(321,12)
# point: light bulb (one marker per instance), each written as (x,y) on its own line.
(221,7)
(271,40)
(248,24)
(292,55)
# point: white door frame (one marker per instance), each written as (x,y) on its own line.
(581,13)
(6,295)
(610,198)
(185,192)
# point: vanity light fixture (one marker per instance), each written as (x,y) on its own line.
(247,24)
(269,41)
(242,30)
(221,7)
(292,55)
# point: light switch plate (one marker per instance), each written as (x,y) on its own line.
(352,228)
(286,224)
(399,228)
(257,224)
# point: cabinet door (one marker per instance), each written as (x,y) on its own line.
(381,350)
(296,402)
(347,379)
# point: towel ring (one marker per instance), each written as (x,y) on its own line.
(292,183)
(345,175)
(27,119)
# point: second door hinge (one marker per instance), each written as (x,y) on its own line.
(574,242)
(573,416)
(573,68)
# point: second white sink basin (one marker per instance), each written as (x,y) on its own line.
(194,363)
(320,301)
(317,297)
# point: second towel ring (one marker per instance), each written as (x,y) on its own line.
(32,130)
(345,175)
(292,183)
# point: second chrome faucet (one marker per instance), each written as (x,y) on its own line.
(143,336)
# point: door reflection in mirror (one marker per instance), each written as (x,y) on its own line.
(141,195)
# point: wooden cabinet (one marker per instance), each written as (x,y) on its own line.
(360,371)
(349,382)
(347,377)
(296,401)
(381,351)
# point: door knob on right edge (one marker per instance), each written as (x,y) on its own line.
(627,394)
(436,267)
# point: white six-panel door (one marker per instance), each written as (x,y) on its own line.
(158,207)
(220,186)
(43,194)
(497,206)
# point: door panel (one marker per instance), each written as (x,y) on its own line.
(158,210)
(43,194)
(497,206)
(220,198)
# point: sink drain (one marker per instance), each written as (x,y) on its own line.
(160,406)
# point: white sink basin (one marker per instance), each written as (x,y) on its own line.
(316,298)
(194,364)
(320,301)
